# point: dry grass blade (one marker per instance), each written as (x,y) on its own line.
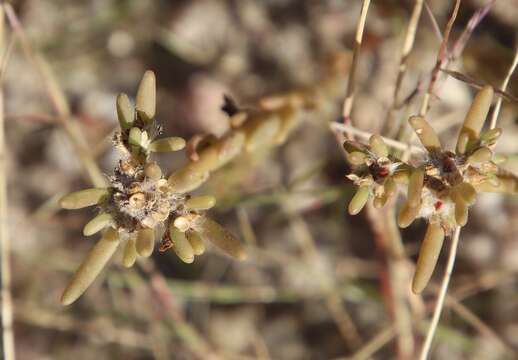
(479,84)
(498,106)
(408,44)
(58,100)
(5,246)
(351,83)
(366,135)
(441,58)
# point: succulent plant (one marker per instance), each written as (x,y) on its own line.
(441,186)
(140,205)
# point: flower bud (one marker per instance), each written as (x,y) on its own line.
(153,171)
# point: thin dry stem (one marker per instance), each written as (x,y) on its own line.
(425,350)
(375,344)
(441,58)
(56,96)
(477,323)
(5,246)
(498,106)
(340,315)
(408,45)
(398,145)
(351,83)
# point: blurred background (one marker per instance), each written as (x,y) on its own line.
(318,283)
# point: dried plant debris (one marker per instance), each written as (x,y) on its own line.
(140,206)
(440,187)
(266,125)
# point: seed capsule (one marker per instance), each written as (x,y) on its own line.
(145,242)
(196,242)
(211,231)
(153,171)
(125,112)
(97,224)
(181,223)
(182,247)
(359,200)
(137,201)
(173,143)
(200,202)
(134,188)
(428,256)
(84,198)
(130,253)
(91,266)
(378,146)
(425,132)
(475,117)
(146,96)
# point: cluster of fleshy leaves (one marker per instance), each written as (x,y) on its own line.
(441,185)
(140,205)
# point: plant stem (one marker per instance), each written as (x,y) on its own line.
(349,98)
(498,105)
(5,246)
